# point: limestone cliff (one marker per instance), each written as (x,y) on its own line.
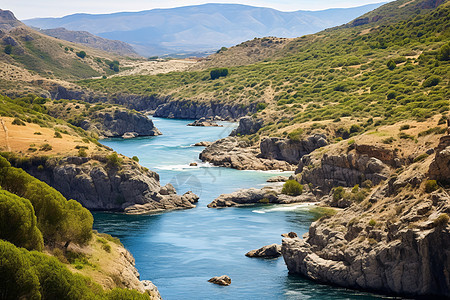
(395,240)
(99,185)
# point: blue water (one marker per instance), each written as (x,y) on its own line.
(180,250)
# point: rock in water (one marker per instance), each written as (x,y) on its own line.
(278,179)
(270,251)
(221,280)
(203,144)
(203,122)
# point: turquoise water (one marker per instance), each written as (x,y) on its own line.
(180,250)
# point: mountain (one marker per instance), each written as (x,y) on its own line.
(201,27)
(90,40)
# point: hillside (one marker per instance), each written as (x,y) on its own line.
(373,74)
(200,28)
(90,40)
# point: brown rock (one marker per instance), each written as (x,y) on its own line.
(222,280)
(270,251)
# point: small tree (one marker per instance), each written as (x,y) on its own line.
(81,54)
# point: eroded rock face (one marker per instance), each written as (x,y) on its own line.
(265,195)
(440,167)
(347,169)
(291,151)
(119,123)
(270,251)
(97,186)
(231,152)
(247,125)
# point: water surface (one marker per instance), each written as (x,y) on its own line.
(180,250)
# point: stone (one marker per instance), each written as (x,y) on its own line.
(278,179)
(221,280)
(193,164)
(247,125)
(440,167)
(270,251)
(203,122)
(202,144)
(130,135)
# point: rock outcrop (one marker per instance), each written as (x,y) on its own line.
(98,185)
(203,122)
(247,125)
(118,123)
(289,150)
(440,167)
(197,110)
(396,240)
(270,251)
(266,195)
(344,169)
(203,144)
(278,179)
(221,280)
(232,152)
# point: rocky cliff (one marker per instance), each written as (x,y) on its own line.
(98,184)
(247,125)
(232,152)
(289,150)
(393,240)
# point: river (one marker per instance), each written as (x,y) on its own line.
(180,250)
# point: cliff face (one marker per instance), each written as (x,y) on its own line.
(99,186)
(291,151)
(395,240)
(247,125)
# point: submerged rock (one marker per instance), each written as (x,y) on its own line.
(221,280)
(270,251)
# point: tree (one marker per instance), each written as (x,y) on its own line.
(17,277)
(78,225)
(217,73)
(8,49)
(18,223)
(81,54)
(444,53)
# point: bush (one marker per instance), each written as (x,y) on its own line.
(135,158)
(81,54)
(338,193)
(441,221)
(57,135)
(46,147)
(18,223)
(444,53)
(391,65)
(372,222)
(113,160)
(292,188)
(217,73)
(107,248)
(18,122)
(8,49)
(431,81)
(82,152)
(431,186)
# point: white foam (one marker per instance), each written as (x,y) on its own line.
(287,207)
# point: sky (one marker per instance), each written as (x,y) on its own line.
(27,9)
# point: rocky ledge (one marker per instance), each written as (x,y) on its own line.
(203,122)
(232,152)
(266,195)
(99,185)
(395,240)
(270,251)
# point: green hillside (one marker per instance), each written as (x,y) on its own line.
(379,73)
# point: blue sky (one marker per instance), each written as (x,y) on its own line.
(25,9)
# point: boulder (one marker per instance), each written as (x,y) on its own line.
(278,179)
(221,280)
(440,167)
(130,135)
(203,122)
(202,144)
(193,164)
(270,251)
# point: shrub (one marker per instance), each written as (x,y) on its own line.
(292,188)
(46,147)
(113,160)
(338,193)
(441,221)
(8,49)
(391,65)
(295,135)
(444,53)
(431,186)
(57,135)
(217,73)
(391,95)
(82,152)
(81,54)
(388,140)
(372,222)
(320,212)
(431,81)
(135,158)
(106,247)
(420,157)
(18,122)
(18,223)
(405,127)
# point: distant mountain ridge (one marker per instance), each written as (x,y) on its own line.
(88,39)
(201,27)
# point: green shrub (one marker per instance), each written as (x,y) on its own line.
(135,158)
(18,223)
(81,54)
(18,122)
(8,49)
(217,73)
(372,222)
(338,193)
(82,152)
(444,53)
(106,247)
(431,81)
(57,135)
(319,212)
(420,157)
(113,160)
(431,186)
(441,221)
(46,147)
(388,140)
(391,65)
(295,135)
(292,188)
(405,127)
